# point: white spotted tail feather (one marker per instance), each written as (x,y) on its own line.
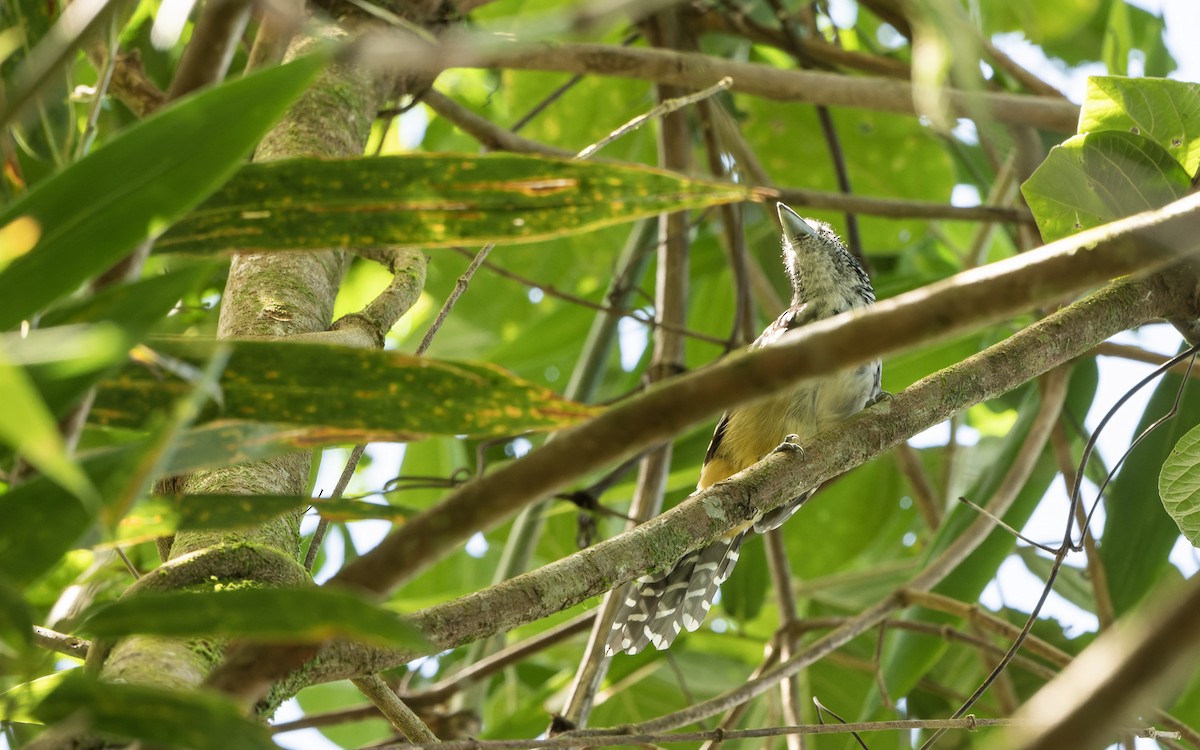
(658,608)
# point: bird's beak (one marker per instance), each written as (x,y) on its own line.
(793,224)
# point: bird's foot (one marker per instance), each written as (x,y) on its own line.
(791,443)
(881,396)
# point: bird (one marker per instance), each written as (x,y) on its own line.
(826,280)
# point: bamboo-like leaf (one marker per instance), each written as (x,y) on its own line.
(131,189)
(168,718)
(293,615)
(28,427)
(360,389)
(910,656)
(115,319)
(1138,533)
(430,200)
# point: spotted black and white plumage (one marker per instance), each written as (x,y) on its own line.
(826,281)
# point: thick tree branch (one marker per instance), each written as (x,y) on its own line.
(963,302)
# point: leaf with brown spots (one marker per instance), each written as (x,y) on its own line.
(431,200)
(345,389)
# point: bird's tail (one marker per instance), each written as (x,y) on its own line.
(658,607)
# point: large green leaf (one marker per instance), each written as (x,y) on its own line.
(309,614)
(28,427)
(1179,485)
(1165,111)
(1138,532)
(165,718)
(275,381)
(909,656)
(117,318)
(430,200)
(94,212)
(1095,178)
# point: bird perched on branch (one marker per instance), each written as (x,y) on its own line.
(826,281)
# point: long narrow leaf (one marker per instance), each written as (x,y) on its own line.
(340,387)
(431,200)
(90,215)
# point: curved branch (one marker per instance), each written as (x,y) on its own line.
(696,70)
(962,302)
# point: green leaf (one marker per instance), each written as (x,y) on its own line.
(42,521)
(1071,584)
(274,614)
(16,619)
(130,312)
(1179,485)
(130,190)
(909,656)
(1096,178)
(430,200)
(362,389)
(1138,533)
(161,515)
(1165,111)
(30,429)
(743,595)
(171,718)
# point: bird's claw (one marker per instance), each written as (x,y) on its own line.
(791,443)
(881,396)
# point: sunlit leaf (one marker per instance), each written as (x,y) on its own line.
(28,427)
(348,388)
(298,615)
(1165,111)
(1179,485)
(1096,178)
(430,200)
(132,188)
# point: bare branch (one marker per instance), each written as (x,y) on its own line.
(398,714)
(695,70)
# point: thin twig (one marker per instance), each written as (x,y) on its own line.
(105,80)
(664,108)
(397,713)
(557,93)
(460,286)
(609,738)
(1138,354)
(785,599)
(1095,565)
(924,496)
(624,312)
(60,642)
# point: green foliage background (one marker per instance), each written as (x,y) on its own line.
(515,338)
